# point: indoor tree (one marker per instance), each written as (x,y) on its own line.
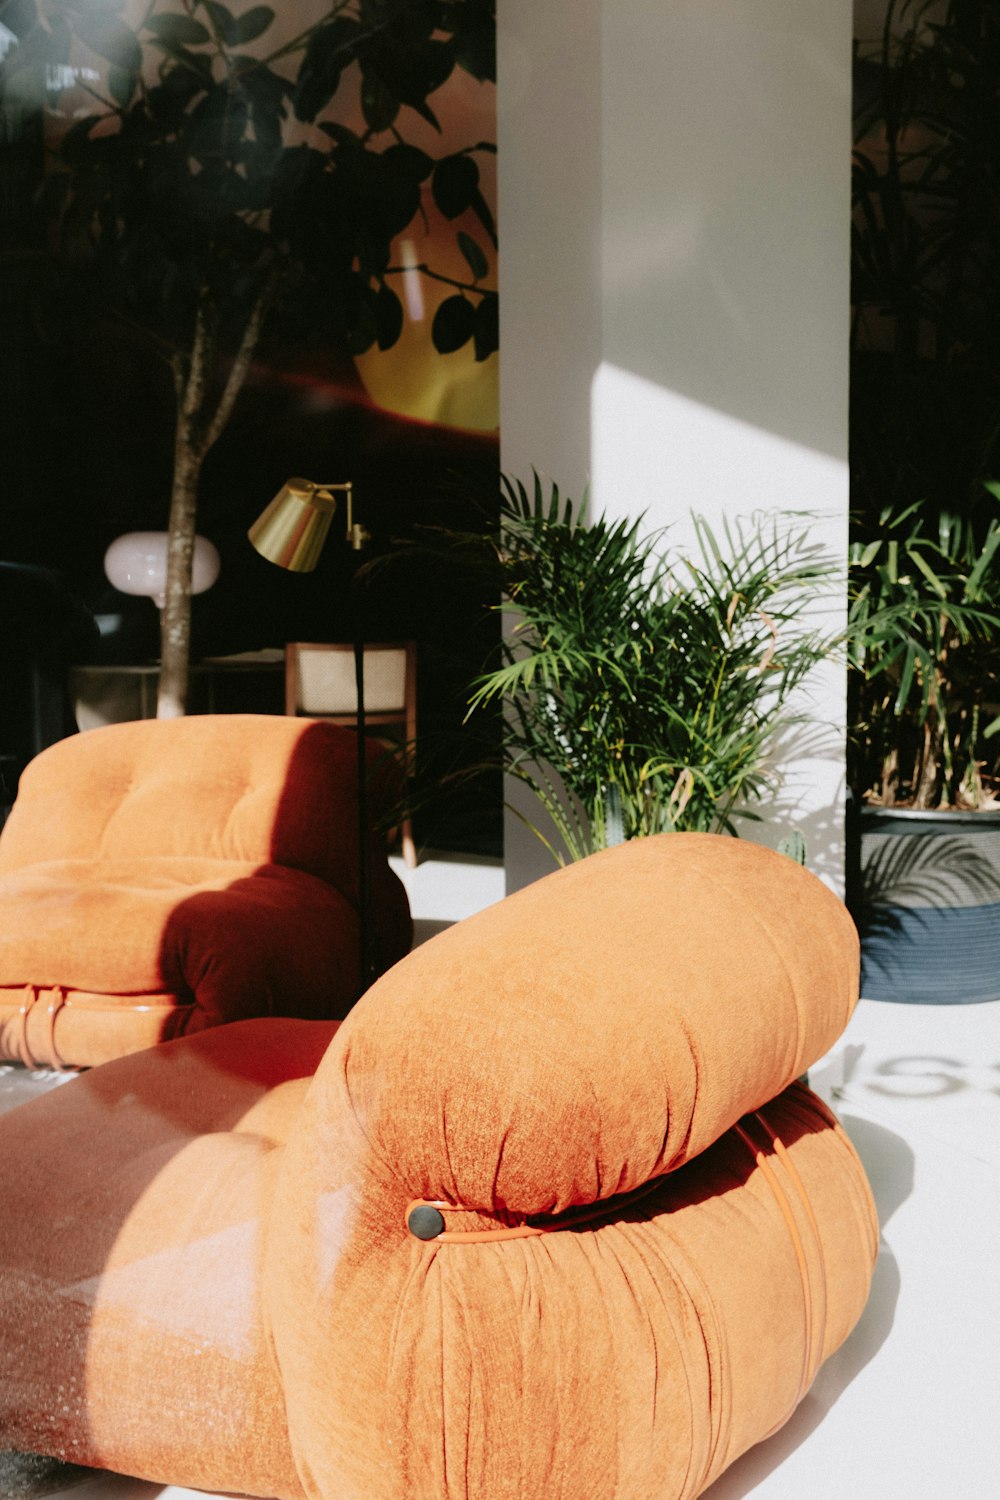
(228,171)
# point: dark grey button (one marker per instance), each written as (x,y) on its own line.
(425,1222)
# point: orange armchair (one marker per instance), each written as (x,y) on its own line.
(546,1218)
(160,877)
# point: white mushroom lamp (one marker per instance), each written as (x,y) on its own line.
(136,563)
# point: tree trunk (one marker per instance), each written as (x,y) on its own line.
(175,621)
(198,427)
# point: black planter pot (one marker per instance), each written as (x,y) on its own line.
(926,898)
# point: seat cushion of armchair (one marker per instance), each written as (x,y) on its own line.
(130,1246)
(157,946)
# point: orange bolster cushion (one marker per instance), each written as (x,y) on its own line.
(602,1026)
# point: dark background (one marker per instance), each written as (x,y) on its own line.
(86,432)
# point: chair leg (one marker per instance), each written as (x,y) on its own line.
(409,847)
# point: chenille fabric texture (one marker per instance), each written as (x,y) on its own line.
(207,1275)
(160,877)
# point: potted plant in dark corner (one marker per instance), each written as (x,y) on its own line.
(924,716)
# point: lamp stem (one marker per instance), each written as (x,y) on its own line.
(364,945)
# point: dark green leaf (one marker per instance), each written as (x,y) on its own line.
(477,262)
(110,39)
(167,102)
(197,63)
(454,324)
(455,184)
(121,86)
(182,31)
(329,51)
(253,23)
(475,49)
(362,320)
(398,51)
(485,216)
(487,328)
(388,317)
(906,680)
(341,134)
(378,105)
(267,91)
(917,558)
(223,20)
(217,124)
(406,163)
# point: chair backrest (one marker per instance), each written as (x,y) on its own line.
(320,681)
(248,787)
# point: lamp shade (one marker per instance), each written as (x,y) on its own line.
(293,528)
(136,563)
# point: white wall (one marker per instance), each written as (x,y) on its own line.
(549,217)
(710,323)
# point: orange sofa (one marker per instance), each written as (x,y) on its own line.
(164,876)
(546,1218)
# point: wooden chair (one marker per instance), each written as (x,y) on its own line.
(320,684)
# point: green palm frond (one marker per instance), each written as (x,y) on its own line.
(643,690)
(923,622)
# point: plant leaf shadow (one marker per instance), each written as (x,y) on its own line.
(889,1163)
(918,873)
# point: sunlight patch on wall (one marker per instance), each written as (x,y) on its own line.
(660,452)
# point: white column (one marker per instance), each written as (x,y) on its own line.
(715,155)
(549,218)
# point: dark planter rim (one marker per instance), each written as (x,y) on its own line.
(930,815)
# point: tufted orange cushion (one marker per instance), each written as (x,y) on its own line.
(668,1235)
(157,878)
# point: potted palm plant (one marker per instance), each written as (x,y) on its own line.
(644,691)
(924,757)
(924,690)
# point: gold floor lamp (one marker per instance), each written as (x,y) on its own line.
(291,533)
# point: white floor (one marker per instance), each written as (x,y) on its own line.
(908,1409)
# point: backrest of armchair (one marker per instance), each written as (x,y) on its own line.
(247,787)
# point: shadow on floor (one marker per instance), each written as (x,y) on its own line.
(28,1476)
